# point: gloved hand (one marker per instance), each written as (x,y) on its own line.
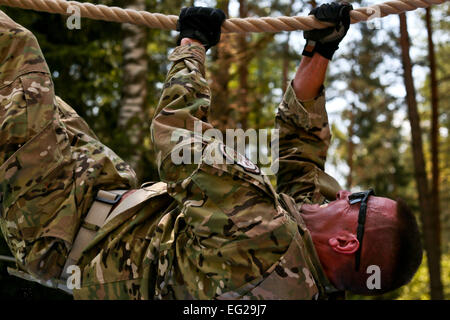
(201,23)
(326,41)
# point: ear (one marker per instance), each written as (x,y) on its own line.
(344,243)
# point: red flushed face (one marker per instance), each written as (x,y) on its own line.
(340,215)
(333,228)
(331,216)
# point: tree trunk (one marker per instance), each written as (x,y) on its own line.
(434,131)
(134,90)
(220,110)
(243,70)
(429,233)
(286,57)
(286,61)
(351,147)
(313,3)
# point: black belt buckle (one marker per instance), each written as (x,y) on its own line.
(107,201)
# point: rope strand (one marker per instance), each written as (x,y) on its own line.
(239,25)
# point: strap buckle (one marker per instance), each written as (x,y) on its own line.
(108,201)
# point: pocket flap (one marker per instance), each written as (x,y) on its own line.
(29,165)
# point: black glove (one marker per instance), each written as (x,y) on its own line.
(326,41)
(202,24)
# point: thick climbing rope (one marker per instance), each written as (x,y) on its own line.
(169,22)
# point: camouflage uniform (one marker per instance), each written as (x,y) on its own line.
(51,163)
(211,231)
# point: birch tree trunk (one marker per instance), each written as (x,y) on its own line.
(134,90)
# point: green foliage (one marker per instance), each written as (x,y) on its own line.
(442,52)
(417,289)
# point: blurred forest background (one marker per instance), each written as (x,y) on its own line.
(388,103)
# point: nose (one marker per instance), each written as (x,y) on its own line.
(343,194)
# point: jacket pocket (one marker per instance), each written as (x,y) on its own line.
(24,181)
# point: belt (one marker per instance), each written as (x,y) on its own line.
(94,220)
(100,213)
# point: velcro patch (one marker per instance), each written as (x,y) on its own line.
(234,157)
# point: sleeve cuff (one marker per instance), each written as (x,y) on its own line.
(302,112)
(312,105)
(189,51)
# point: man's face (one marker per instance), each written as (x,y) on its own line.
(332,217)
(339,215)
(333,227)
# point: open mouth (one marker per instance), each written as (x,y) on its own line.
(309,208)
(312,208)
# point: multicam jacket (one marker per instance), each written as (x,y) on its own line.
(210,231)
(51,163)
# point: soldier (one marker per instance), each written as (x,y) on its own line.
(209,229)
